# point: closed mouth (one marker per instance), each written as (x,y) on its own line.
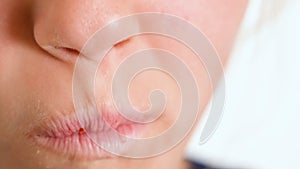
(88,136)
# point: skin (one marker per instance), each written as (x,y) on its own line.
(36,81)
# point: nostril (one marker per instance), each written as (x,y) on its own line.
(68,50)
(63,53)
(122,43)
(70,55)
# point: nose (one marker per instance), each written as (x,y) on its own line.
(62,27)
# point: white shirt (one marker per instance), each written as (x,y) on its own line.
(261,120)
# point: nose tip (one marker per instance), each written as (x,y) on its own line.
(62,27)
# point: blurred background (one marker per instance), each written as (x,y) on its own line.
(261,120)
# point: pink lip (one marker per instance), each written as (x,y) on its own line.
(83,139)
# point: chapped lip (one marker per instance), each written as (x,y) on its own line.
(83,137)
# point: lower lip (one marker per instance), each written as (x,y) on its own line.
(67,137)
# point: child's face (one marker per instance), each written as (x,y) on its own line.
(39,40)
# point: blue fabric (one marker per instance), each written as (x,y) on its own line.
(195,165)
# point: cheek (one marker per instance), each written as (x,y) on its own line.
(219,20)
(178,7)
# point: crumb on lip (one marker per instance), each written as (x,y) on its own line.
(81,131)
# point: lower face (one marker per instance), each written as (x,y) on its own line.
(39,125)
